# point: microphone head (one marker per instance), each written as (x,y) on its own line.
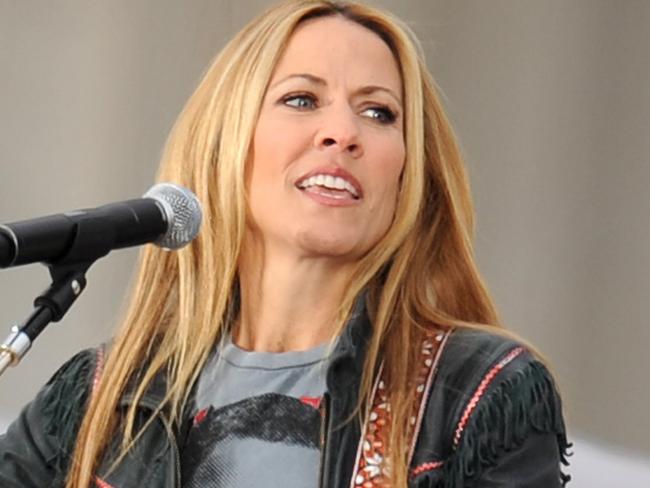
(182,212)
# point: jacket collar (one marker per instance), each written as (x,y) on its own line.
(346,364)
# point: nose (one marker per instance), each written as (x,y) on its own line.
(340,132)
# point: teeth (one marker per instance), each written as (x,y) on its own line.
(329,181)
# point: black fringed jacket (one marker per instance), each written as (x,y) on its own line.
(492,419)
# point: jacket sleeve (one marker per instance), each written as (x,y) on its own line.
(35,450)
(493,418)
(511,433)
(533,464)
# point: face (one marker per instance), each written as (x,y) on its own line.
(328,149)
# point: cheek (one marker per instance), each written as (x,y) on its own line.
(392,166)
(386,178)
(258,176)
(276,147)
(265,163)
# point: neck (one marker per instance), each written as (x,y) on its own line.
(288,303)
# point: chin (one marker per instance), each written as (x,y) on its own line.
(335,246)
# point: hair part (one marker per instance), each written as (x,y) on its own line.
(420,275)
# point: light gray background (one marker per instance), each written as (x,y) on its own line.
(551,102)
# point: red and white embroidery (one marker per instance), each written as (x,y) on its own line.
(99,369)
(480,391)
(101,483)
(97,374)
(370,469)
(431,355)
(423,468)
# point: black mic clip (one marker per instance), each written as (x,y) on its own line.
(90,242)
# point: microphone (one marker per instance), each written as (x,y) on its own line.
(168,215)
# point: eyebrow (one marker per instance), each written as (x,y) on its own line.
(366,90)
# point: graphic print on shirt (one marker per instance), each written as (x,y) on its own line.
(267,440)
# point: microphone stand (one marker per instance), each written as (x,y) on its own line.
(68,281)
(91,241)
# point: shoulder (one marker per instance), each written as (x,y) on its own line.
(72,382)
(469,352)
(58,409)
(480,370)
(489,395)
(38,444)
(80,366)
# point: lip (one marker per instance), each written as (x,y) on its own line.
(332,171)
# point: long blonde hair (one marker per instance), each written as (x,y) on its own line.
(422,274)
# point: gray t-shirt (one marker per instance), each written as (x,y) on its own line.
(257,420)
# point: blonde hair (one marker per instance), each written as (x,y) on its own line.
(421,275)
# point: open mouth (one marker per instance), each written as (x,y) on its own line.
(331,186)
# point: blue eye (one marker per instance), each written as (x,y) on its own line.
(383,115)
(301,102)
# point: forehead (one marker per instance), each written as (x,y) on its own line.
(339,49)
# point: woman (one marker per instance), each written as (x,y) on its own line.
(336,250)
